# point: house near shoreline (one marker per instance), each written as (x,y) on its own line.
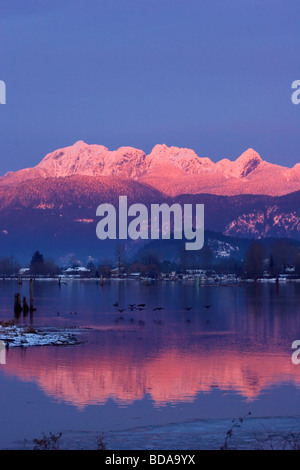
(23,271)
(77,271)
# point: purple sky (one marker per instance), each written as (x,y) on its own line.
(212,75)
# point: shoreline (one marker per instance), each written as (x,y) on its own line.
(255,433)
(24,336)
(201,282)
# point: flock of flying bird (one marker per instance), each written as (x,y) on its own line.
(133,307)
(141,307)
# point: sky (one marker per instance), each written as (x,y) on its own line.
(211,75)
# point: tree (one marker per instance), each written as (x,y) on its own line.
(8,266)
(37,265)
(120,254)
(229,266)
(253,266)
(206,257)
(92,267)
(297,262)
(75,263)
(168,266)
(151,263)
(50,267)
(282,254)
(104,268)
(272,266)
(184,259)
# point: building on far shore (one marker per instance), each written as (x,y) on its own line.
(23,271)
(78,271)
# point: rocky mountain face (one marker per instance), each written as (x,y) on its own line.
(171,170)
(53,205)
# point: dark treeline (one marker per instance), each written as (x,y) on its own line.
(275,260)
(9,265)
(259,259)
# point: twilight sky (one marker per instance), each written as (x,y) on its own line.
(212,75)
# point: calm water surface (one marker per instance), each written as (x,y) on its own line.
(150,368)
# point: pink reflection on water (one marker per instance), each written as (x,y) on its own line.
(88,375)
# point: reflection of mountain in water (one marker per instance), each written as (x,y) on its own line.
(84,376)
(242,344)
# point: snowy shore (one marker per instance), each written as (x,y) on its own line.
(25,336)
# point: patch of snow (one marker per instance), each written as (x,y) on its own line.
(44,205)
(24,271)
(85,221)
(25,336)
(79,269)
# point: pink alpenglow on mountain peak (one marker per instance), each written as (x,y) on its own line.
(242,166)
(183,158)
(171,170)
(92,160)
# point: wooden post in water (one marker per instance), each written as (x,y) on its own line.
(101,280)
(17,305)
(31,295)
(25,306)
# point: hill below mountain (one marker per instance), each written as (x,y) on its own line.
(58,215)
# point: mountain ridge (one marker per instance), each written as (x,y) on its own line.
(170,170)
(53,205)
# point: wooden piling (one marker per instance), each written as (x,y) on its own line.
(17,304)
(25,306)
(31,296)
(101,281)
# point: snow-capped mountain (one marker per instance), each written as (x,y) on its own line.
(55,202)
(171,170)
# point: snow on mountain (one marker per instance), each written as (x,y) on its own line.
(171,170)
(242,167)
(185,159)
(264,223)
(93,160)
